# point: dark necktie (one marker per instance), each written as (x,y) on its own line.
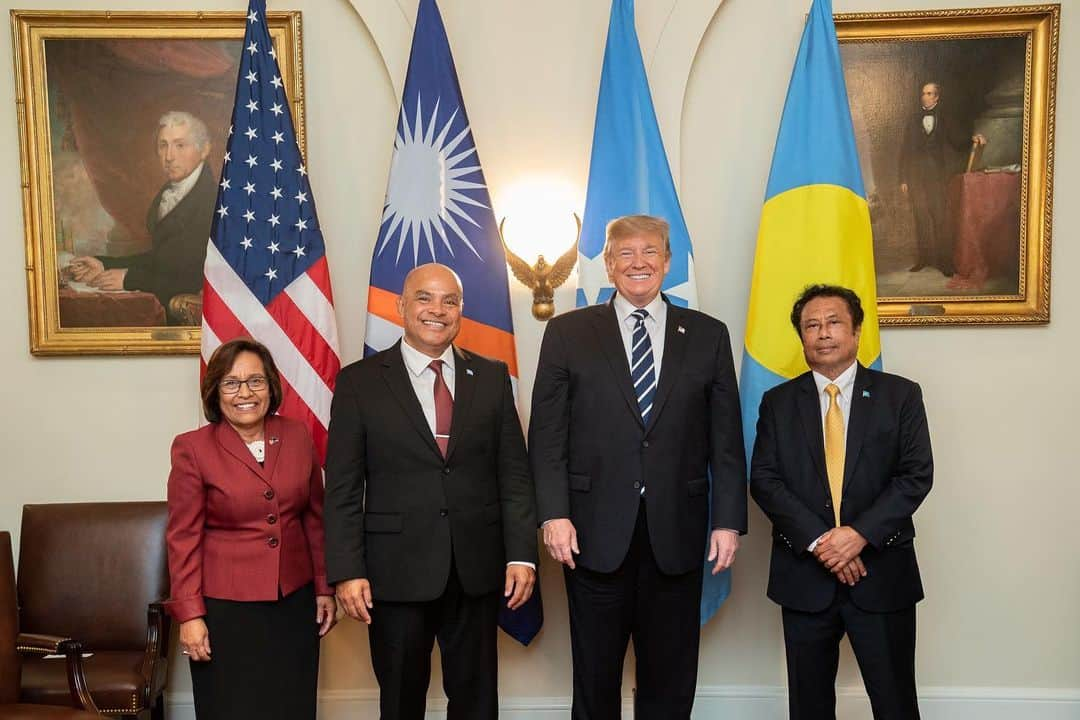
(642,366)
(444,407)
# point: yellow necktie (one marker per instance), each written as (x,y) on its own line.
(834,449)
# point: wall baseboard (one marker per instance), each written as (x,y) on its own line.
(736,702)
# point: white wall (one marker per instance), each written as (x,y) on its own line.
(997,636)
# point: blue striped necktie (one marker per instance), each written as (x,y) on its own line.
(642,365)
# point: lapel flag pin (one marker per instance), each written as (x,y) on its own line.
(866,393)
(468,371)
(273,440)
(681,329)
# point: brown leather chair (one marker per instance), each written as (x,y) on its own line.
(10,707)
(95,572)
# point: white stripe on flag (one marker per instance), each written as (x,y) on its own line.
(316,308)
(295,368)
(210,341)
(381,333)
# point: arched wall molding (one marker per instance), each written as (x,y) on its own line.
(390,25)
(669,68)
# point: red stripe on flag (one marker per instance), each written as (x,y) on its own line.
(475,337)
(320,275)
(293,407)
(220,317)
(307,339)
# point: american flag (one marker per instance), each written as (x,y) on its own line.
(266,274)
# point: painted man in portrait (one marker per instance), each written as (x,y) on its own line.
(178,220)
(924,176)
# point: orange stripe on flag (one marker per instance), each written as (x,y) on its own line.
(474,337)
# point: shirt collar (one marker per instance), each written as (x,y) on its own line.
(845,381)
(417,362)
(656,309)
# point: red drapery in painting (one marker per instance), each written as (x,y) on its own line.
(113,93)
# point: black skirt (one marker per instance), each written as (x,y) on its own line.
(264,660)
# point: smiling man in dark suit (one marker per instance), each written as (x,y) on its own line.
(634,405)
(841,462)
(430,515)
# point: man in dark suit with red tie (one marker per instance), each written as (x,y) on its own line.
(841,462)
(634,408)
(430,516)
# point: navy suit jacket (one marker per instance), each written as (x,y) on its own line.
(888,470)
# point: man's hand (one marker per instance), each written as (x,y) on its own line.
(978,139)
(722,547)
(109,279)
(85,268)
(195,639)
(560,538)
(355,598)
(325,613)
(851,573)
(520,580)
(839,546)
(903,188)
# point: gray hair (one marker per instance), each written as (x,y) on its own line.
(199,134)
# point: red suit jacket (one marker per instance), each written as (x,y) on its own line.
(238,530)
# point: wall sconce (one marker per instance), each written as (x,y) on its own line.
(542,278)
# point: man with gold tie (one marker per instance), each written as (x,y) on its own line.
(841,462)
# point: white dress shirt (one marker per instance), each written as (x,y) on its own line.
(177,191)
(655,325)
(846,382)
(422,378)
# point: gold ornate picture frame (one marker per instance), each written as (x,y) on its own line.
(954,118)
(96,93)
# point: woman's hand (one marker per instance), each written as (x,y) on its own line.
(195,639)
(325,613)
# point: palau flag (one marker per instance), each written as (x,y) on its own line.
(438,210)
(629,174)
(815,225)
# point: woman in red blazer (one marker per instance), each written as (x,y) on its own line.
(245,544)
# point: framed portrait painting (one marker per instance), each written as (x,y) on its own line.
(954,119)
(123,119)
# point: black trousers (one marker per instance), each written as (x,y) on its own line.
(264,660)
(884,645)
(659,612)
(402,636)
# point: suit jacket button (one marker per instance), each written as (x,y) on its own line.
(637,485)
(268,494)
(828,505)
(272,541)
(644,443)
(444,512)
(446,471)
(271,519)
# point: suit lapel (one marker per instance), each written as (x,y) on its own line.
(464,387)
(810,415)
(230,441)
(672,360)
(272,435)
(857,421)
(397,378)
(608,336)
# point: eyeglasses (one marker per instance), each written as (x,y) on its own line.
(256,383)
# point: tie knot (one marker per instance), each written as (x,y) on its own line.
(640,314)
(832,391)
(436,365)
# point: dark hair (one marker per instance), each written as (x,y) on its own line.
(221,363)
(811,292)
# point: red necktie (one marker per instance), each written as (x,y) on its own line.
(444,407)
